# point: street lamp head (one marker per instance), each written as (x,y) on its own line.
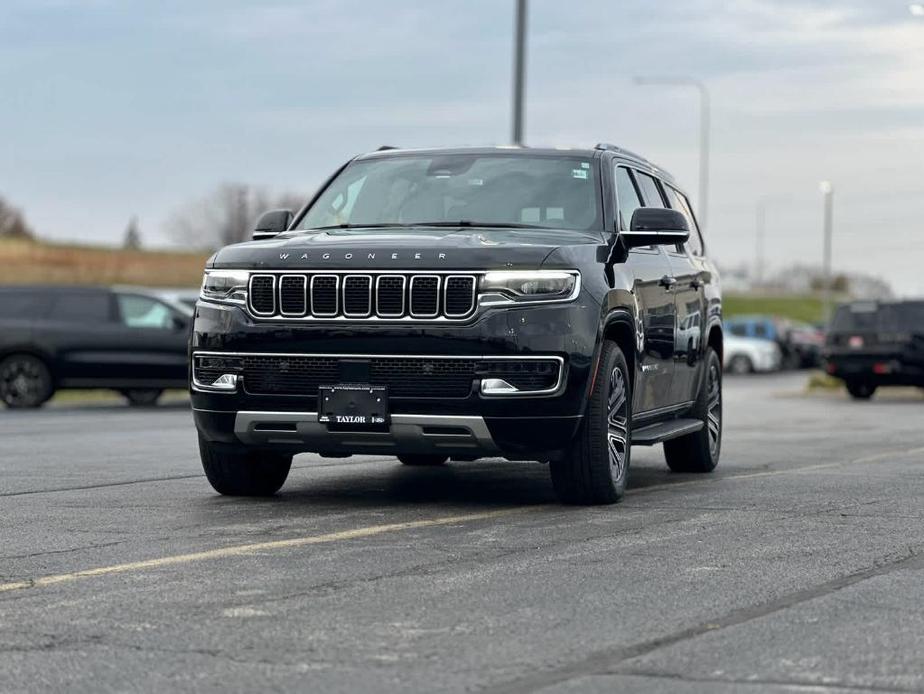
(916,9)
(825,187)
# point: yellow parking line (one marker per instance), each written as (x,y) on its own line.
(369,531)
(238,550)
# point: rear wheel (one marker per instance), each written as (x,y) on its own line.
(239,471)
(596,468)
(861,390)
(740,364)
(25,381)
(142,397)
(423,460)
(699,451)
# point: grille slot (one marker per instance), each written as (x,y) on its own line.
(324,295)
(459,299)
(357,296)
(425,296)
(389,291)
(262,294)
(292,297)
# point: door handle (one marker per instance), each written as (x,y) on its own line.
(668,282)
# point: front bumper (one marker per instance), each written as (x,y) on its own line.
(477,425)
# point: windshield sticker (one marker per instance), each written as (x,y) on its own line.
(578,173)
(476,182)
(585,165)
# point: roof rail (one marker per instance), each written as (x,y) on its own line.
(385,147)
(607,147)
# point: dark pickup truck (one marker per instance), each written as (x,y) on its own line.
(872,344)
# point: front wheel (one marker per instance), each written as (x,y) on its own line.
(239,471)
(595,469)
(142,397)
(699,451)
(740,364)
(861,390)
(25,381)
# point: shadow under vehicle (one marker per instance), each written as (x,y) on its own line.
(872,344)
(54,338)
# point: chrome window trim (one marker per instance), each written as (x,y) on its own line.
(250,306)
(304,279)
(477,357)
(474,307)
(378,313)
(317,314)
(343,289)
(410,296)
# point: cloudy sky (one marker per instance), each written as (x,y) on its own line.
(119,107)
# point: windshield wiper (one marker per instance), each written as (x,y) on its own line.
(477,225)
(414,225)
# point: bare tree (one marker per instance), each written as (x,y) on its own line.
(12,223)
(132,238)
(225,216)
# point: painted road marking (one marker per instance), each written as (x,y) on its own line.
(372,530)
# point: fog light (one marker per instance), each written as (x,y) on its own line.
(497,386)
(225,382)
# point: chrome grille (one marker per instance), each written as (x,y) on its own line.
(387,296)
(425,296)
(262,295)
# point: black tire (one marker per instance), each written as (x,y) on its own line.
(740,364)
(423,460)
(700,451)
(238,471)
(142,397)
(861,390)
(25,381)
(596,467)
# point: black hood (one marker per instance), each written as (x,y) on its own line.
(402,248)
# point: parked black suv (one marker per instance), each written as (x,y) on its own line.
(872,344)
(53,338)
(527,303)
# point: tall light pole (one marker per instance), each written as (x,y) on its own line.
(704,130)
(519,72)
(759,242)
(827,191)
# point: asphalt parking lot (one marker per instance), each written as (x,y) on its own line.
(797,566)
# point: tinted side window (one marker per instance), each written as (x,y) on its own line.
(650,191)
(144,312)
(738,329)
(628,197)
(81,308)
(679,202)
(22,305)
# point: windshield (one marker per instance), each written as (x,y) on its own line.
(869,316)
(556,192)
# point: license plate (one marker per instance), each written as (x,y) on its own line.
(856,342)
(353,406)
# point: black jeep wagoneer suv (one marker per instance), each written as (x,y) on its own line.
(535,304)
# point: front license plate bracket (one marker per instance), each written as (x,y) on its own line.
(354,406)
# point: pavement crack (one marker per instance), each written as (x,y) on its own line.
(764,682)
(62,551)
(606,661)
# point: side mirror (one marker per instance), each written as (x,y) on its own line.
(272,223)
(656,226)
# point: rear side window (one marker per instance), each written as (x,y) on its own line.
(628,197)
(22,305)
(679,202)
(82,308)
(650,191)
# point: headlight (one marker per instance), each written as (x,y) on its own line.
(530,285)
(225,286)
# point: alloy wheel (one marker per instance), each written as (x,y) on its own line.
(617,430)
(22,382)
(714,409)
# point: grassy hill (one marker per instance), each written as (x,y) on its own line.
(805,308)
(25,262)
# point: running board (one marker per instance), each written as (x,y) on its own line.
(665,431)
